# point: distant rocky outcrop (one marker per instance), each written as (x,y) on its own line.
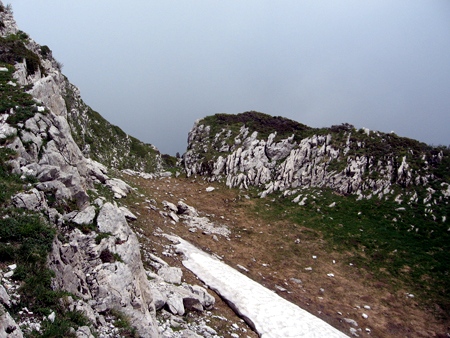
(280,155)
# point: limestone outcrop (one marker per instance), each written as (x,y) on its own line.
(101,267)
(346,160)
(107,274)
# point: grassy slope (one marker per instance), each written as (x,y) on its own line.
(108,144)
(405,247)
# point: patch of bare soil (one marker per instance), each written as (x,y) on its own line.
(301,268)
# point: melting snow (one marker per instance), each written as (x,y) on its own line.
(269,314)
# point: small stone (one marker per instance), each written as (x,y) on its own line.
(330,274)
(365,316)
(51,317)
(209,189)
(350,321)
(367,307)
(308,268)
(354,332)
(280,288)
(242,267)
(296,280)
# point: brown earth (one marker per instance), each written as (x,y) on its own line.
(273,256)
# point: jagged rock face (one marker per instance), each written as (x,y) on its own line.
(47,151)
(96,137)
(84,268)
(347,165)
(105,275)
(8,327)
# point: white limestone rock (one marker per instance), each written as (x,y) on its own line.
(118,187)
(111,219)
(128,214)
(4,297)
(172,207)
(97,170)
(171,274)
(184,209)
(79,270)
(33,200)
(86,216)
(84,332)
(8,327)
(175,304)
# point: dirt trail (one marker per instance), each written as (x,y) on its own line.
(304,271)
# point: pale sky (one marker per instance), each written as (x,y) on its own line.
(154,67)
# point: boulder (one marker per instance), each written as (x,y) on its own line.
(97,170)
(128,214)
(8,327)
(118,187)
(84,332)
(175,304)
(170,274)
(159,299)
(170,206)
(4,297)
(86,216)
(184,209)
(32,200)
(111,219)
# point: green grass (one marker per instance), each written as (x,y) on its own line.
(101,235)
(9,183)
(264,124)
(13,49)
(26,239)
(107,143)
(390,249)
(14,96)
(123,323)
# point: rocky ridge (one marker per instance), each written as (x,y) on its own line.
(349,161)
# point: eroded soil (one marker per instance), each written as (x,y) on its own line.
(302,268)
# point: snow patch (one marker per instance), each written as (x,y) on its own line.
(265,311)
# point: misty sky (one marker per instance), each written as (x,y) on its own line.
(154,67)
